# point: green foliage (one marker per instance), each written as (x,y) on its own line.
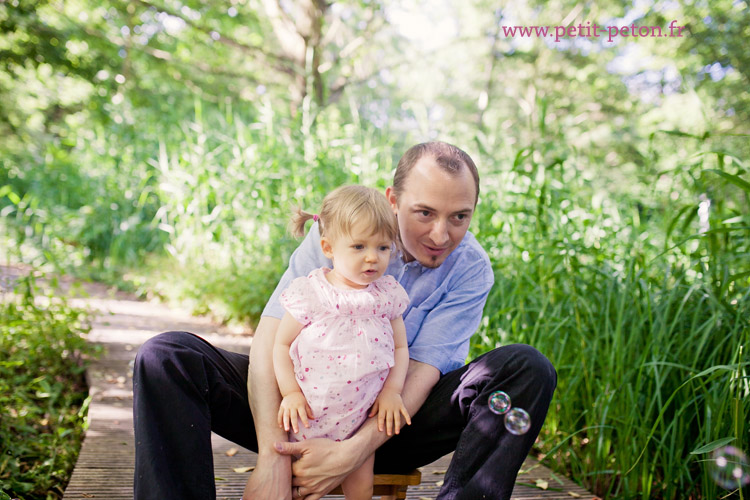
(196,194)
(643,310)
(42,392)
(163,144)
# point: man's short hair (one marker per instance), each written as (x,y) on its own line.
(448,157)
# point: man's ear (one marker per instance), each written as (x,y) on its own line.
(325,245)
(391,195)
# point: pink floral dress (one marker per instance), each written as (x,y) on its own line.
(342,355)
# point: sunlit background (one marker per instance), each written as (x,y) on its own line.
(160,144)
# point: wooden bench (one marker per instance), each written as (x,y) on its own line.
(394,485)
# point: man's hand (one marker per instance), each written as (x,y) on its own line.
(272,478)
(389,407)
(293,408)
(321,465)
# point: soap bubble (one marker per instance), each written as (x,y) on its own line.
(517,421)
(730,468)
(499,402)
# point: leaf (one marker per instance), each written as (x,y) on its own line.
(734,179)
(542,484)
(14,198)
(439,483)
(574,494)
(231,452)
(712,445)
(679,133)
(242,470)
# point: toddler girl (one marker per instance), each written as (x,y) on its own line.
(340,349)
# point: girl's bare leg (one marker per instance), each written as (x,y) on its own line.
(358,484)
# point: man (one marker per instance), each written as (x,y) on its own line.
(184,387)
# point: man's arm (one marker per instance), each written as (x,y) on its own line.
(272,477)
(324,464)
(420,379)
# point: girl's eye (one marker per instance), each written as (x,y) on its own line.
(358,247)
(384,248)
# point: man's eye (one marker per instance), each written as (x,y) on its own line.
(424,213)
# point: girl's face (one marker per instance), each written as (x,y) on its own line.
(359,258)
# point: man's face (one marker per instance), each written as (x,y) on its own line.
(434,211)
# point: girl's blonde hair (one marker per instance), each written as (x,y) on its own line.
(346,206)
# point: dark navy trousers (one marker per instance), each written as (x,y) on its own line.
(184,388)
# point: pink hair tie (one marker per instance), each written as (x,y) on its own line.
(315,217)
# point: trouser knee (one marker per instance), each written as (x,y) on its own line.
(156,350)
(537,363)
(526,362)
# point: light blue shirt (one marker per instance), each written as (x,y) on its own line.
(446,302)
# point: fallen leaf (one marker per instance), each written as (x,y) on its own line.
(439,483)
(219,479)
(574,494)
(231,452)
(439,472)
(242,470)
(542,484)
(87,495)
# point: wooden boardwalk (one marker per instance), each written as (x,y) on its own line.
(105,465)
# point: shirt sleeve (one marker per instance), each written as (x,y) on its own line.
(306,257)
(444,336)
(397,295)
(300,300)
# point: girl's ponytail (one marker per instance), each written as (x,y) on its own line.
(344,207)
(297,224)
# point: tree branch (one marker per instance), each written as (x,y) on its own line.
(280,62)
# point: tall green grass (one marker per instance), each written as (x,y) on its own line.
(644,312)
(195,209)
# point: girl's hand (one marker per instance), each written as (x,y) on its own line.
(389,407)
(294,407)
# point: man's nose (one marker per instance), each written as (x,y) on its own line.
(439,233)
